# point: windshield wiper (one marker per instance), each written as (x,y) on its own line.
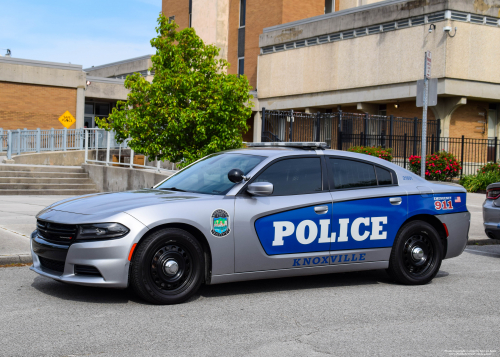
(172,189)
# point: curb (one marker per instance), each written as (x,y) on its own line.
(16,259)
(483,241)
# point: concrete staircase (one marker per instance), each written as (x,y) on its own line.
(44,180)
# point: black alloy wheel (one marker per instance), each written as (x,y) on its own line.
(416,254)
(171,267)
(167,267)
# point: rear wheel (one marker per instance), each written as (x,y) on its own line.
(416,254)
(167,267)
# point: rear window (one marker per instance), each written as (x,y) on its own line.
(351,174)
(384,176)
(347,173)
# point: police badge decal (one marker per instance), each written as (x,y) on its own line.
(220,223)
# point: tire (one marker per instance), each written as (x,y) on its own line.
(416,255)
(153,271)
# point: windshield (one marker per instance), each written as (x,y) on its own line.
(210,174)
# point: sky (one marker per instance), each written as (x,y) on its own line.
(85,32)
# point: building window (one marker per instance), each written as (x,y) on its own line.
(190,12)
(243,11)
(382,109)
(241,66)
(171,18)
(329,6)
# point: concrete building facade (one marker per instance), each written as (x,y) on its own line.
(363,56)
(235,25)
(34,94)
(372,56)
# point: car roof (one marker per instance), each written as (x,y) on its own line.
(276,152)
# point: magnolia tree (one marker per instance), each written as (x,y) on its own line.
(192,107)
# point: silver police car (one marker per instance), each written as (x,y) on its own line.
(491,211)
(267,211)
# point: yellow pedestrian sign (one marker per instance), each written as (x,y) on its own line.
(67,119)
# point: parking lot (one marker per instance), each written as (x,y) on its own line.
(347,314)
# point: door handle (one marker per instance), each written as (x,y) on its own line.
(395,200)
(321,209)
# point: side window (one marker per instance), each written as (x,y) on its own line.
(294,176)
(384,176)
(351,174)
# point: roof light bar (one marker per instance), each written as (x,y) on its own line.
(298,144)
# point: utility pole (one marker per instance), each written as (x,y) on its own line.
(427,76)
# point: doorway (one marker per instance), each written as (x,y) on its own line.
(95,110)
(492,131)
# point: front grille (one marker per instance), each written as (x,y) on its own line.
(51,264)
(56,232)
(86,270)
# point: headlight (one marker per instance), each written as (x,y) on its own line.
(101,231)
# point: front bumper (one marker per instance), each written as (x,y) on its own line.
(458,225)
(96,263)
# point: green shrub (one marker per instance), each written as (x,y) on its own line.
(385,154)
(490,167)
(441,166)
(479,182)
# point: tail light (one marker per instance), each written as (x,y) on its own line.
(493,193)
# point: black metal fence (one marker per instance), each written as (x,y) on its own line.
(342,131)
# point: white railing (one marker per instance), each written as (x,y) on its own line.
(101,147)
(16,142)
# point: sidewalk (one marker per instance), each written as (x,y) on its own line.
(17,221)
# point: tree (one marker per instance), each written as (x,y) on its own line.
(192,107)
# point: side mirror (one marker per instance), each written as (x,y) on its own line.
(235,175)
(260,189)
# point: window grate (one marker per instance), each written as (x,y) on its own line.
(491,21)
(300,44)
(323,39)
(403,23)
(336,37)
(416,21)
(389,27)
(360,33)
(373,29)
(278,48)
(312,41)
(348,34)
(440,16)
(476,19)
(458,16)
(266,50)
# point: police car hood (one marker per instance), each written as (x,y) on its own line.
(105,204)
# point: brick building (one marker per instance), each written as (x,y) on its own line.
(363,56)
(34,94)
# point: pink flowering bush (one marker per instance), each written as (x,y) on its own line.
(379,152)
(441,166)
(489,167)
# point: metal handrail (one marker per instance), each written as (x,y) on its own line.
(95,139)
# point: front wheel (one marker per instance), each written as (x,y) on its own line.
(416,254)
(167,267)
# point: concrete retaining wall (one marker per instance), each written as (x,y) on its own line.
(77,158)
(59,158)
(117,179)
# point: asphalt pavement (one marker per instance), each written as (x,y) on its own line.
(349,314)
